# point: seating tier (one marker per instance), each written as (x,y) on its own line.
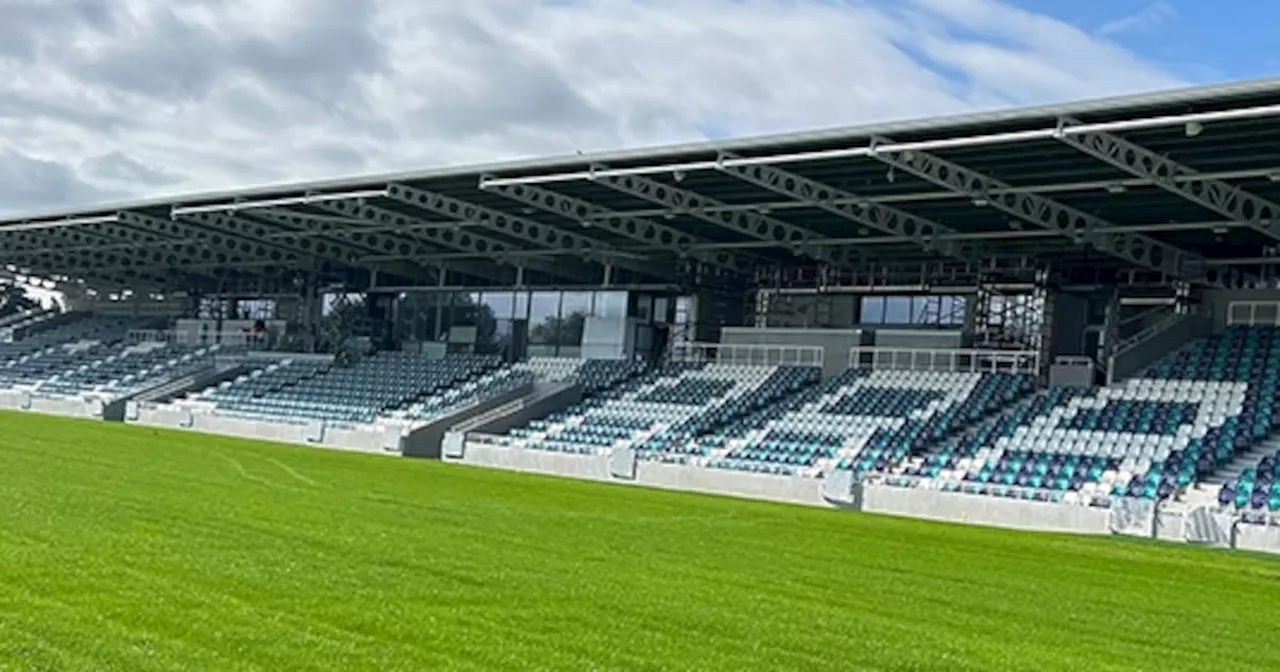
(662,411)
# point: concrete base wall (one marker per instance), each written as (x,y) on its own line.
(958,507)
(1261,538)
(793,490)
(372,440)
(73,407)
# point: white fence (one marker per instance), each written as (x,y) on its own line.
(749,354)
(944,359)
(1254,313)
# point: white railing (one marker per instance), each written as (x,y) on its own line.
(957,360)
(1254,313)
(749,354)
(239,339)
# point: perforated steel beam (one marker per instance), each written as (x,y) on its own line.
(219,240)
(447,237)
(63,243)
(537,233)
(1137,249)
(846,205)
(351,243)
(796,239)
(122,266)
(1218,196)
(586,214)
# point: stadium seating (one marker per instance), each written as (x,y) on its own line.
(595,375)
(1147,438)
(456,397)
(358,393)
(887,416)
(661,411)
(68,347)
(127,371)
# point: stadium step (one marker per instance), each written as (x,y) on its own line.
(1231,470)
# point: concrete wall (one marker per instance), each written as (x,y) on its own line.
(74,407)
(1263,538)
(983,510)
(372,440)
(794,490)
(918,338)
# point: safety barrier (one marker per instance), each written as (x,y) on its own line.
(754,354)
(955,360)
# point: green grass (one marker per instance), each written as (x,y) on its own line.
(124,548)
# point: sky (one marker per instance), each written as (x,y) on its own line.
(106,100)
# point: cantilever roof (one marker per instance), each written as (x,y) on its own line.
(564,219)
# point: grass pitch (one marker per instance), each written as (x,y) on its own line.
(132,549)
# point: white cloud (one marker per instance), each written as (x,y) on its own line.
(1151,17)
(114,98)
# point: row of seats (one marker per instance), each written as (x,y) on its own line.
(662,408)
(1257,487)
(82,342)
(965,399)
(354,394)
(132,370)
(1149,437)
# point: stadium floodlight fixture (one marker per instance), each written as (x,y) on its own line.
(1198,119)
(247,204)
(60,223)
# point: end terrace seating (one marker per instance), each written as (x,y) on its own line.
(1257,487)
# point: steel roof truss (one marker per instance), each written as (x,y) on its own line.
(519,227)
(1218,196)
(848,206)
(586,214)
(1133,248)
(749,223)
(470,241)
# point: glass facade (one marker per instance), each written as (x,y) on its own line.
(920,310)
(556,320)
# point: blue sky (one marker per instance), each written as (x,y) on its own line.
(1201,40)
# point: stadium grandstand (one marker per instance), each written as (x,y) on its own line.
(1056,318)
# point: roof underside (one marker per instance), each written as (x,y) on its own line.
(1188,196)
